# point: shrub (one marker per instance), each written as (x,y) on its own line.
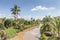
(19,27)
(8,23)
(43,37)
(52,38)
(14,23)
(2,26)
(10,32)
(3,36)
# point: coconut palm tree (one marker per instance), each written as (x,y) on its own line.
(49,27)
(57,21)
(15,11)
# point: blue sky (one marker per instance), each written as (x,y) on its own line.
(31,8)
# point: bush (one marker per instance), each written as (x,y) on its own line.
(21,21)
(14,23)
(3,36)
(43,37)
(2,26)
(10,32)
(19,27)
(26,23)
(8,23)
(52,38)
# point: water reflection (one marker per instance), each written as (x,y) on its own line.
(36,32)
(33,34)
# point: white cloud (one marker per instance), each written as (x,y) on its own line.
(37,8)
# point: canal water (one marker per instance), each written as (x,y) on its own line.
(33,34)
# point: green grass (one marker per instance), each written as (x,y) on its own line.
(10,32)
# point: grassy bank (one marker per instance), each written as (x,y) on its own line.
(12,32)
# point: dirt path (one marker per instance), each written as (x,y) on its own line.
(21,34)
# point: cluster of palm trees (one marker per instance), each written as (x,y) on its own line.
(50,28)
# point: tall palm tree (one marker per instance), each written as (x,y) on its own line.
(49,27)
(15,11)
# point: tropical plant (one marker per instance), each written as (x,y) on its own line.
(8,23)
(43,37)
(46,19)
(3,35)
(2,27)
(15,11)
(49,26)
(57,21)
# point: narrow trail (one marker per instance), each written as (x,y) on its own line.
(20,35)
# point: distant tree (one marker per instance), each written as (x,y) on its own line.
(46,19)
(32,19)
(26,23)
(21,21)
(15,11)
(37,21)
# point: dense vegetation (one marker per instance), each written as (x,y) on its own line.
(9,27)
(50,29)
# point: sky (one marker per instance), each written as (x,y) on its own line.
(30,8)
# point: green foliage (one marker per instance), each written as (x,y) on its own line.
(11,27)
(51,25)
(2,26)
(46,19)
(37,21)
(28,22)
(52,38)
(3,36)
(8,23)
(10,32)
(14,23)
(19,27)
(21,21)
(43,37)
